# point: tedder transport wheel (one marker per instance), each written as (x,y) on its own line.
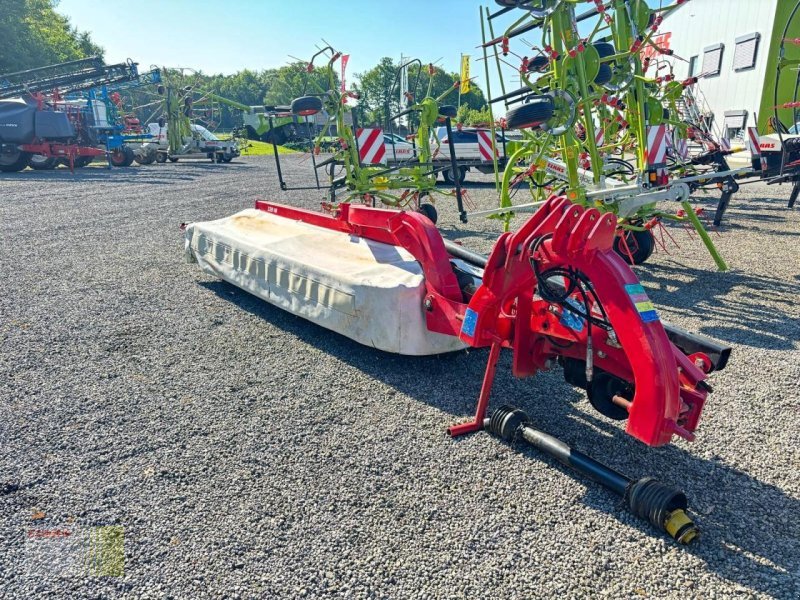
(173,159)
(448,110)
(640,245)
(447,175)
(161,157)
(306,106)
(40,162)
(122,156)
(429,210)
(13,162)
(605,74)
(532,114)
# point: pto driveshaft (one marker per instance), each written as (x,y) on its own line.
(648,499)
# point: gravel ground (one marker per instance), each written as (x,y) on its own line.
(248,453)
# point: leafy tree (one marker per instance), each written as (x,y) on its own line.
(33,34)
(292,81)
(380,96)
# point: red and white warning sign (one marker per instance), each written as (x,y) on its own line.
(679,144)
(656,146)
(371,149)
(485,145)
(752,142)
(599,136)
(754,146)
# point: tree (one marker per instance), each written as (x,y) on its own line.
(33,34)
(292,81)
(381,95)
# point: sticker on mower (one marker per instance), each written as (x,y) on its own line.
(570,319)
(470,321)
(641,302)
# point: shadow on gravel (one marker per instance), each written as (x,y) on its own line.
(711,292)
(750,538)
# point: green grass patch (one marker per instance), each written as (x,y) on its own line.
(256,148)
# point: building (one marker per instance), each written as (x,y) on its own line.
(733,46)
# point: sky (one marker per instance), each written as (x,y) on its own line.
(225,36)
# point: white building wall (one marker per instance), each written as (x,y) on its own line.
(702,23)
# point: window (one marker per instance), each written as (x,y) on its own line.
(734,123)
(693,66)
(744,56)
(712,60)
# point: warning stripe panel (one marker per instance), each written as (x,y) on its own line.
(752,141)
(656,146)
(487,149)
(371,149)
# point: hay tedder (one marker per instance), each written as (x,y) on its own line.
(354,175)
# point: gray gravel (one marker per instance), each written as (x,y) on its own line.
(248,453)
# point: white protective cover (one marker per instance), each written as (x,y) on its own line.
(368,291)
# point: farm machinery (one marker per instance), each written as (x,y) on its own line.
(556,293)
(175,133)
(583,100)
(359,151)
(44,119)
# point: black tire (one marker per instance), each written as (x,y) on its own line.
(147,159)
(429,210)
(604,75)
(122,156)
(448,110)
(161,157)
(227,159)
(601,392)
(306,106)
(39,162)
(82,161)
(640,245)
(173,159)
(447,175)
(538,63)
(13,162)
(532,114)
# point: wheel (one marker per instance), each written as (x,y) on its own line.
(640,245)
(226,158)
(448,110)
(602,389)
(306,106)
(538,63)
(447,175)
(173,159)
(429,210)
(145,159)
(13,161)
(532,114)
(161,157)
(218,159)
(605,74)
(122,156)
(40,162)
(82,161)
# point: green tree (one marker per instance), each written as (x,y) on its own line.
(33,34)
(292,81)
